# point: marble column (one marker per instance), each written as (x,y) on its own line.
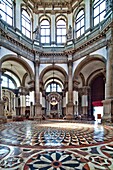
(85,101)
(70,105)
(22,104)
(108,102)
(38,106)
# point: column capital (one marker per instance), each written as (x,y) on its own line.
(37,56)
(70,58)
(37,62)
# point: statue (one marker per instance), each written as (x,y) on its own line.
(37,32)
(69,33)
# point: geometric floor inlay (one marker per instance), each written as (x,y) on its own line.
(33,134)
(55,145)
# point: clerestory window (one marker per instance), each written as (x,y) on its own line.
(6,11)
(45,31)
(99,10)
(26,23)
(80,23)
(61,31)
(53,87)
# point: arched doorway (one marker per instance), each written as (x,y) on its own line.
(97,95)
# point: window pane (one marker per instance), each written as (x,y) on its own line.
(82,31)
(47,31)
(23,22)
(58,39)
(78,25)
(42,39)
(2,6)
(78,33)
(82,22)
(47,39)
(102,16)
(96,20)
(59,32)
(23,30)
(3,16)
(9,11)
(9,20)
(42,31)
(63,39)
(102,6)
(63,31)
(27,33)
(96,11)
(28,26)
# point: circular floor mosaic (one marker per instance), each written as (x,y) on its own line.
(60,134)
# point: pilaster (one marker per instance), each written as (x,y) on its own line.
(108,102)
(22,95)
(38,106)
(70,105)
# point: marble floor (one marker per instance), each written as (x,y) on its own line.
(55,145)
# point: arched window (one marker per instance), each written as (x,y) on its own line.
(61,31)
(8,82)
(6,11)
(99,10)
(53,87)
(80,24)
(45,31)
(26,23)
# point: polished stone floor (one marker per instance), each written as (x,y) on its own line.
(55,145)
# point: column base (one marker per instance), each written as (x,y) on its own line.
(69,111)
(38,112)
(108,111)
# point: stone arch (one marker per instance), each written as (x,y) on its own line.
(21,61)
(51,68)
(86,61)
(58,68)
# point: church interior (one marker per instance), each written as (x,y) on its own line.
(56,84)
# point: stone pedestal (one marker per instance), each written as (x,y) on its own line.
(108,110)
(69,111)
(38,111)
(22,110)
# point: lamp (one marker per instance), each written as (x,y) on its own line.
(53,101)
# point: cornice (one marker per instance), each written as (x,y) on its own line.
(15,45)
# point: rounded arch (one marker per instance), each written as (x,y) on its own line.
(76,11)
(95,74)
(55,67)
(21,61)
(28,9)
(86,61)
(61,16)
(44,17)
